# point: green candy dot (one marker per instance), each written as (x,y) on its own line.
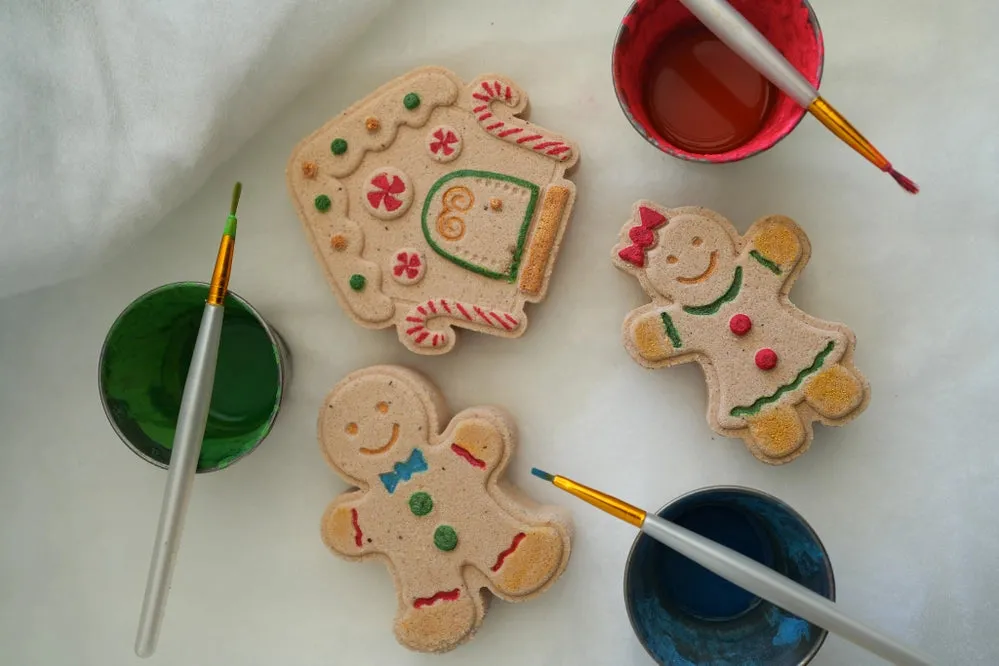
(445,537)
(420,503)
(411,101)
(357,282)
(339,146)
(323,203)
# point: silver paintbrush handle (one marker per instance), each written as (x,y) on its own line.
(739,34)
(180,478)
(777,589)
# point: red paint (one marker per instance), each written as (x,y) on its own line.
(414,319)
(436,339)
(642,236)
(482,314)
(414,329)
(420,308)
(463,311)
(480,96)
(907,183)
(440,596)
(494,126)
(510,131)
(560,149)
(422,336)
(509,551)
(703,97)
(480,109)
(472,460)
(386,190)
(510,319)
(445,306)
(484,116)
(500,321)
(788,24)
(740,324)
(529,137)
(358,536)
(766,359)
(489,91)
(430,304)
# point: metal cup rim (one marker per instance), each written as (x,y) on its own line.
(810,655)
(271,335)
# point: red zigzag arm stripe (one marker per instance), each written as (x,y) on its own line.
(421,336)
(514,130)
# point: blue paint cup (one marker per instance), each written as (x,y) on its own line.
(684,615)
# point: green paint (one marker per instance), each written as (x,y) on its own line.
(715,306)
(749,410)
(357,282)
(511,274)
(671,332)
(339,146)
(420,503)
(230,226)
(766,262)
(323,203)
(445,538)
(411,101)
(145,362)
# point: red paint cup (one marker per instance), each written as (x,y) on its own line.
(790,25)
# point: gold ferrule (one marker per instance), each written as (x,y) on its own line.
(840,126)
(223,268)
(612,505)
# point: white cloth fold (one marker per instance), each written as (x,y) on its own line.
(113,112)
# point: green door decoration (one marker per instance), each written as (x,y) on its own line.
(479,220)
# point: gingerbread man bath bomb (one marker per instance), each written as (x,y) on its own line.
(432,504)
(431,205)
(722,300)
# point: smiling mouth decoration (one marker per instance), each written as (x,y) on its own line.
(388,445)
(712,262)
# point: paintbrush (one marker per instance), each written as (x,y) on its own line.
(739,34)
(187,441)
(747,574)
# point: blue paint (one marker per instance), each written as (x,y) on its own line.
(542,474)
(696,590)
(686,616)
(403,471)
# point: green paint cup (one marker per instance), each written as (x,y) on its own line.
(144,364)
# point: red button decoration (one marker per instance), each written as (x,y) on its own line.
(740,324)
(766,359)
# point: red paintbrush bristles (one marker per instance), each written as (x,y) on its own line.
(906,184)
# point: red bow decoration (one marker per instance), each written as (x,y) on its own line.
(642,237)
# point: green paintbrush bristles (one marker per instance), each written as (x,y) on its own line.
(230,223)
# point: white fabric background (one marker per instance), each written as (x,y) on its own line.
(904,498)
(114,112)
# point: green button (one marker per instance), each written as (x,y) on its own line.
(445,538)
(338,147)
(411,101)
(357,282)
(420,503)
(323,203)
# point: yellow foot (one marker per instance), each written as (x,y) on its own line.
(440,622)
(777,432)
(528,562)
(834,392)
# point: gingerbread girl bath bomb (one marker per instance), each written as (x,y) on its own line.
(431,205)
(722,300)
(431,503)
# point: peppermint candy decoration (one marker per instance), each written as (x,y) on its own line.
(408,266)
(388,193)
(444,143)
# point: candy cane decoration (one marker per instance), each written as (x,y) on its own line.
(420,336)
(513,130)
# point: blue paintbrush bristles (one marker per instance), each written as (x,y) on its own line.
(542,474)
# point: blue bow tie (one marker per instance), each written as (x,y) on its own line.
(403,471)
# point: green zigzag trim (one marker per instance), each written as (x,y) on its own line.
(767,399)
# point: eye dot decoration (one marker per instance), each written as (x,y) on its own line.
(382,407)
(496,203)
(372,124)
(339,242)
(310,169)
(351,428)
(671,259)
(697,241)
